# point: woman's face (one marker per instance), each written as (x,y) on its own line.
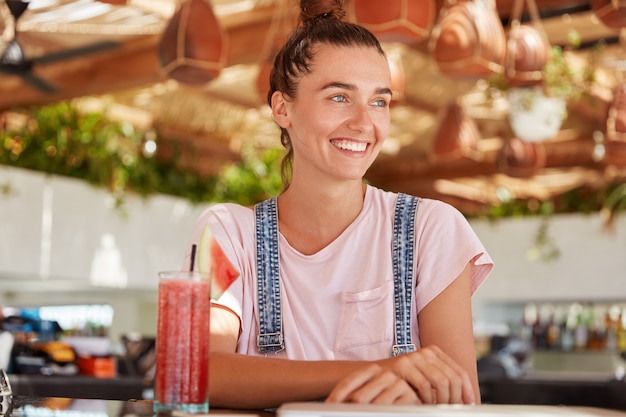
(340,116)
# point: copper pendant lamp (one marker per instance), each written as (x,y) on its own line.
(456,137)
(403,21)
(468,39)
(193,47)
(610,12)
(521,159)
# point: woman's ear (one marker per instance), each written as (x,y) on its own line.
(280,110)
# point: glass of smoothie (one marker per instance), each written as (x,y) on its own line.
(182,342)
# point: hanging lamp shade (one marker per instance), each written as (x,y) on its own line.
(610,12)
(115,2)
(404,21)
(528,47)
(521,159)
(527,55)
(615,143)
(193,47)
(457,137)
(468,39)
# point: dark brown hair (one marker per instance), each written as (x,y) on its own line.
(320,23)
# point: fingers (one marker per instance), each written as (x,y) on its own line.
(397,392)
(448,380)
(348,385)
(436,378)
(453,386)
(426,376)
(373,384)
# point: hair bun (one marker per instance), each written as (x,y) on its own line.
(314,10)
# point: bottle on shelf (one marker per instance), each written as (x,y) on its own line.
(553,335)
(612,323)
(581,331)
(597,329)
(576,326)
(540,328)
(621,332)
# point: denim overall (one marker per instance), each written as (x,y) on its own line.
(270,338)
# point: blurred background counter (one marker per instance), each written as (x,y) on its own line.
(119,388)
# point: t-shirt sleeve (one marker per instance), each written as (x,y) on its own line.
(224,221)
(445,243)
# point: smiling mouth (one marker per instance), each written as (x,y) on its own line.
(350,145)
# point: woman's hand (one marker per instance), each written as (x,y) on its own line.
(375,385)
(435,377)
(426,376)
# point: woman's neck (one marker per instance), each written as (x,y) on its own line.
(312,217)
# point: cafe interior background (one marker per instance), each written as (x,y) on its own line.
(120,120)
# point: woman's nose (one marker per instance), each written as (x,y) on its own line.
(360,119)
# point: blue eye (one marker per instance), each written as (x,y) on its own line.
(380,103)
(339,99)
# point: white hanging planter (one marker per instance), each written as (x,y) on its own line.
(533,116)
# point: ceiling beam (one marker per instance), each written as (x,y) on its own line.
(136,63)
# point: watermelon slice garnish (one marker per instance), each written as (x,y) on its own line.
(212,261)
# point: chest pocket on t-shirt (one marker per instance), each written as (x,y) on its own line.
(365,317)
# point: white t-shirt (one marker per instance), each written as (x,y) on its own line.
(338,303)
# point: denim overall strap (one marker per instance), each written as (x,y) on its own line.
(270,338)
(403,248)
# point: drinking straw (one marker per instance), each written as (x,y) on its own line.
(193,257)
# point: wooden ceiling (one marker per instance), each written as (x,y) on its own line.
(222,116)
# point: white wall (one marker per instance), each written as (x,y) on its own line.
(51,233)
(52,228)
(591,265)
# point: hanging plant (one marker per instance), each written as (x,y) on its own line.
(544,248)
(537,111)
(614,203)
(58,139)
(535,116)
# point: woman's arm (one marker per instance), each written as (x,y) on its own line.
(446,322)
(243,381)
(442,371)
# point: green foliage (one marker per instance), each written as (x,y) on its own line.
(614,202)
(255,179)
(611,197)
(559,78)
(518,208)
(58,139)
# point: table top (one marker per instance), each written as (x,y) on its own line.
(24,406)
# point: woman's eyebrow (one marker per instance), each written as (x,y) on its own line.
(352,87)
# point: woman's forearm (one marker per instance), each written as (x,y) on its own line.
(243,381)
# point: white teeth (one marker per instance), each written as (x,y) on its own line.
(351,146)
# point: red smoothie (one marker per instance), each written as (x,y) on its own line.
(182,344)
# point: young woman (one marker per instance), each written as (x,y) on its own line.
(343,291)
